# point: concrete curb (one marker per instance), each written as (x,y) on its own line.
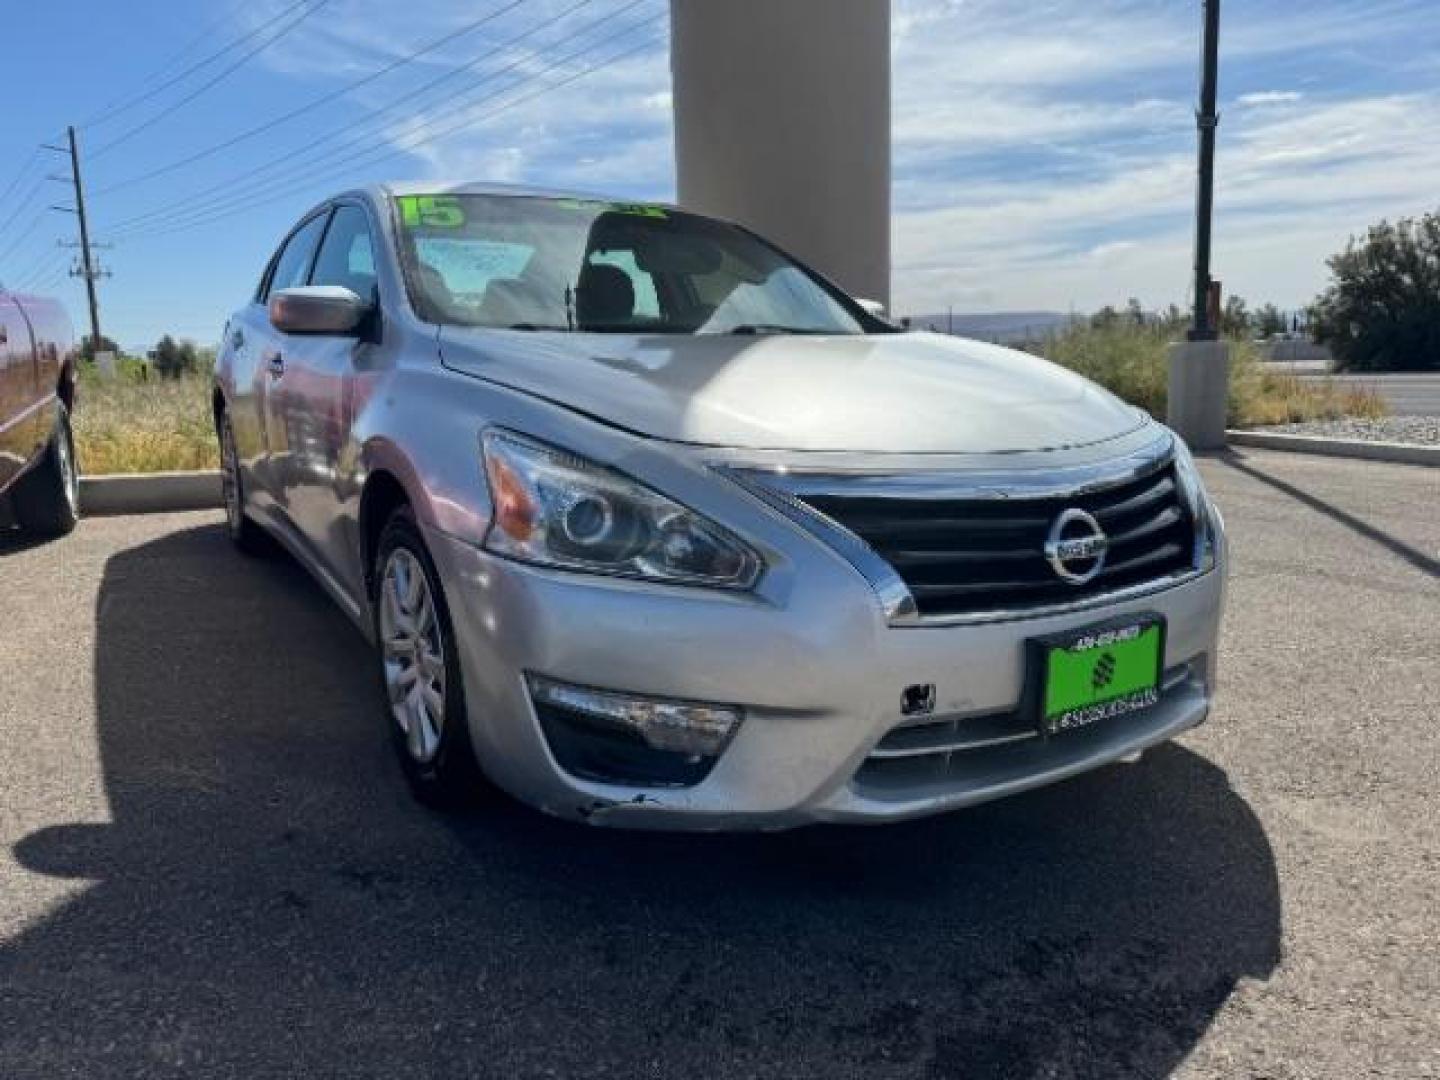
(159,493)
(1400,453)
(149,493)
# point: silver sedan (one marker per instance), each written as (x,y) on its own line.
(653,526)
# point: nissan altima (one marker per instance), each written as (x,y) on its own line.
(651,525)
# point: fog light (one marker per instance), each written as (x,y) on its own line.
(620,738)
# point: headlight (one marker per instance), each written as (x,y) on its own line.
(1197,503)
(556,509)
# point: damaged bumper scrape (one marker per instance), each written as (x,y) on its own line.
(819,677)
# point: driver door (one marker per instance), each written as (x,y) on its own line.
(265,425)
(324,375)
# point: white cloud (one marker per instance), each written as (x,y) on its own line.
(1270,97)
(1107,252)
(1044,152)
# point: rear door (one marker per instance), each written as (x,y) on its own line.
(20,424)
(264,426)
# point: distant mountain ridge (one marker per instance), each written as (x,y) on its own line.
(1005,327)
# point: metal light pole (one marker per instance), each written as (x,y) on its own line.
(1199,376)
(1207,120)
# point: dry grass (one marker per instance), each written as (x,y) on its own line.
(1260,397)
(1130,361)
(126,425)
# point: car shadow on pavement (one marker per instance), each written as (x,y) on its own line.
(14,540)
(267,899)
(1414,556)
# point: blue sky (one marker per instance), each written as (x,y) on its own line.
(1044,152)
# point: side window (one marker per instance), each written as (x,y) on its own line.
(292,266)
(347,255)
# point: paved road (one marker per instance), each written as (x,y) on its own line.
(209,867)
(1407,395)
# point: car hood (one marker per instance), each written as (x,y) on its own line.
(883,393)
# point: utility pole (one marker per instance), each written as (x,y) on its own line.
(1207,120)
(89,269)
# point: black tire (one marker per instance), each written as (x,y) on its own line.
(244,533)
(450,777)
(47,499)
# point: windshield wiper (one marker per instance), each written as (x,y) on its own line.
(538,326)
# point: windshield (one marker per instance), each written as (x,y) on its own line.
(526,263)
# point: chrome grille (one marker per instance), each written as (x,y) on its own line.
(968,554)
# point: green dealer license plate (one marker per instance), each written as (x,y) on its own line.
(1085,676)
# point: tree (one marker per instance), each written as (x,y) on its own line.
(1105,318)
(87,347)
(1270,321)
(1381,311)
(173,359)
(1235,317)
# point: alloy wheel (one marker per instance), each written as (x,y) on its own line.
(413,654)
(69,476)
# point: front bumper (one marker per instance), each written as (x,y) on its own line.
(820,677)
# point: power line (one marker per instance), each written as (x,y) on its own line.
(20,206)
(24,235)
(45,284)
(469,119)
(109,113)
(283,187)
(224,72)
(314,104)
(43,271)
(48,255)
(625,54)
(357,131)
(325,158)
(20,175)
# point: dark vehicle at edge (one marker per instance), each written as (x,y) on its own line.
(39,483)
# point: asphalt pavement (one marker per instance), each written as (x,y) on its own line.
(210,867)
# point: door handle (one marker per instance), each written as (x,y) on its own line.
(275,363)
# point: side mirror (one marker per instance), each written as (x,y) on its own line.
(874,308)
(318,309)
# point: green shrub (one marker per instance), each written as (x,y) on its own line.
(1130,361)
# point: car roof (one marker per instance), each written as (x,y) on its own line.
(394,188)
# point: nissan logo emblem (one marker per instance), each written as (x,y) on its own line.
(1076,546)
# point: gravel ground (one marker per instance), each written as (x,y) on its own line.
(209,866)
(1424,430)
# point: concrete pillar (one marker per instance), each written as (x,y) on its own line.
(782,123)
(1199,387)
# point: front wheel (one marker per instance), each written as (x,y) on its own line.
(420,669)
(47,500)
